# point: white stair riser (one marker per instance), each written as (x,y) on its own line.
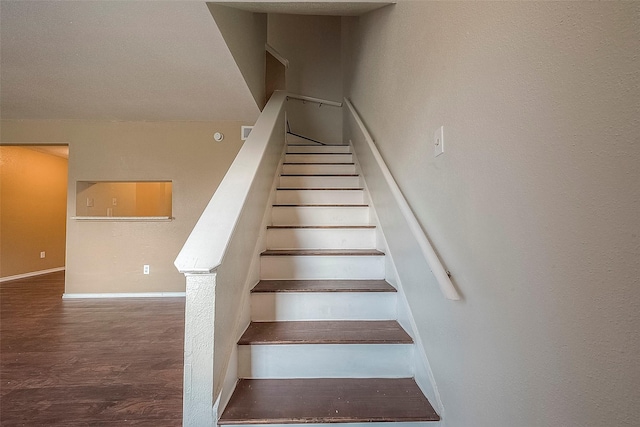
(320,181)
(290,306)
(322,267)
(320,215)
(318,149)
(325,361)
(318,158)
(311,169)
(321,238)
(321,197)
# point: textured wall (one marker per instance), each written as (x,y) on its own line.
(533,206)
(33,208)
(245,34)
(312,45)
(108,256)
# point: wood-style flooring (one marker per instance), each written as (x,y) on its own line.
(88,362)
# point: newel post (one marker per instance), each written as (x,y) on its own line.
(198,391)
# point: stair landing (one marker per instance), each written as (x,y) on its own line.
(327,400)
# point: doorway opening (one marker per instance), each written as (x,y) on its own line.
(33,209)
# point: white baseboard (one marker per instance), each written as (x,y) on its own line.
(126,295)
(32,274)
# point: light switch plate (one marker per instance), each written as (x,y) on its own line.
(438,141)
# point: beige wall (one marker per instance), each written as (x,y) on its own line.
(109,256)
(533,206)
(245,34)
(312,45)
(33,207)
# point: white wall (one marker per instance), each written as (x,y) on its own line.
(533,206)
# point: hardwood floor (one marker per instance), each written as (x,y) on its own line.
(88,362)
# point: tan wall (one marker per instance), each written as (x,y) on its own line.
(109,256)
(33,207)
(312,45)
(534,205)
(245,34)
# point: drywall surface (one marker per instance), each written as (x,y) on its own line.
(33,208)
(533,206)
(246,35)
(312,45)
(108,256)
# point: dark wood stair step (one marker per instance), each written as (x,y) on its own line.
(327,400)
(326,332)
(321,153)
(321,174)
(320,188)
(324,227)
(343,205)
(322,252)
(323,286)
(317,145)
(323,163)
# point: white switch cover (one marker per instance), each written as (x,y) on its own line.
(114,201)
(438,141)
(43,254)
(89,202)
(145,269)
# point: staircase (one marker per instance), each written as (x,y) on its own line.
(323,345)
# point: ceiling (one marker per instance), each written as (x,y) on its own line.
(129,60)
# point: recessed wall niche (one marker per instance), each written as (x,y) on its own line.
(123,200)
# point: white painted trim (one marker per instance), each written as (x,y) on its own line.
(208,242)
(125,295)
(312,99)
(32,274)
(438,270)
(284,61)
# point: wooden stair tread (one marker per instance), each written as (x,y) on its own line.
(322,252)
(321,174)
(323,286)
(327,400)
(317,145)
(326,332)
(329,227)
(345,205)
(319,188)
(323,163)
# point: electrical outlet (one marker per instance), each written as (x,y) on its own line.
(114,201)
(43,254)
(89,202)
(438,142)
(145,269)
